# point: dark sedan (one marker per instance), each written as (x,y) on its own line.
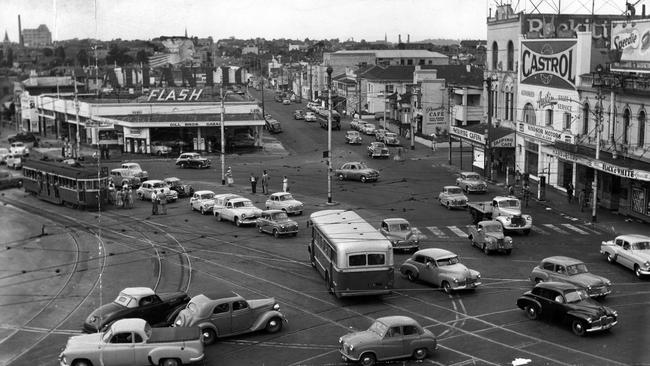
(23,137)
(175,184)
(138,302)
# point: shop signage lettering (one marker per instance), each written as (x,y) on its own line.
(435,114)
(505,141)
(473,136)
(545,134)
(549,26)
(549,63)
(528,93)
(174,95)
(625,40)
(564,154)
(616,170)
(560,65)
(194,124)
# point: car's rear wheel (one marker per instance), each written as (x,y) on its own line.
(183,165)
(363,179)
(531,312)
(219,217)
(420,354)
(276,234)
(81,363)
(411,276)
(578,327)
(367,359)
(209,336)
(526,231)
(170,362)
(341,177)
(274,325)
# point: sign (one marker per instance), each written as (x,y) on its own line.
(616,170)
(505,141)
(195,124)
(544,133)
(549,63)
(101,124)
(174,95)
(638,200)
(567,26)
(469,135)
(632,39)
(479,158)
(435,115)
(565,155)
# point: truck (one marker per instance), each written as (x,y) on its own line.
(134,342)
(504,209)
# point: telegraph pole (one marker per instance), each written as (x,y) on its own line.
(488,142)
(599,127)
(329,135)
(76,108)
(223,139)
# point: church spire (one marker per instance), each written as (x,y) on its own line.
(185,32)
(6,40)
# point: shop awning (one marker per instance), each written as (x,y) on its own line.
(475,134)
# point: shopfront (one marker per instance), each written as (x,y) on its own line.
(502,146)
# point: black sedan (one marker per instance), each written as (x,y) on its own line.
(175,184)
(192,160)
(23,137)
(568,304)
(138,302)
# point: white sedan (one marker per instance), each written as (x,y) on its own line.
(148,187)
(284,201)
(202,201)
(19,148)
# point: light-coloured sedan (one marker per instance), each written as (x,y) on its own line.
(400,233)
(284,201)
(202,201)
(368,129)
(631,251)
(488,236)
(471,182)
(149,186)
(452,197)
(573,271)
(391,139)
(353,137)
(440,268)
(276,222)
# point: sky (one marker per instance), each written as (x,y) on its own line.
(293,19)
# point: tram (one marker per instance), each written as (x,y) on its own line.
(76,185)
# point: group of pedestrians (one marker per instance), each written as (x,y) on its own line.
(582,196)
(120,197)
(254,179)
(158,202)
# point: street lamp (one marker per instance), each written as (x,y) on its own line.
(329,135)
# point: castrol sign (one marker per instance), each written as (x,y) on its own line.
(549,63)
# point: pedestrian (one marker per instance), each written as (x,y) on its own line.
(253,183)
(285,184)
(526,190)
(229,178)
(581,199)
(154,203)
(111,191)
(511,190)
(129,197)
(525,177)
(162,201)
(433,142)
(119,197)
(265,182)
(517,177)
(569,192)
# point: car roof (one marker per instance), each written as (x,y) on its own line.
(447,187)
(490,223)
(128,325)
(271,211)
(395,220)
(560,259)
(472,173)
(227,195)
(557,285)
(239,199)
(436,253)
(171,178)
(138,291)
(204,299)
(153,181)
(280,194)
(633,237)
(203,192)
(396,320)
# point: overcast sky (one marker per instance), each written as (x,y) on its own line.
(293,19)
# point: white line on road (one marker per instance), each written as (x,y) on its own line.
(436,231)
(571,227)
(457,231)
(538,230)
(555,228)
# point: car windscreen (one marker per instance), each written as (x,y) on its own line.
(447,261)
(575,295)
(455,191)
(492,228)
(280,216)
(207,196)
(242,204)
(378,328)
(510,203)
(286,197)
(472,177)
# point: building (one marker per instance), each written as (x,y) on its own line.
(39,37)
(339,60)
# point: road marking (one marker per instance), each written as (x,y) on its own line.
(457,231)
(590,228)
(436,231)
(419,233)
(539,230)
(569,226)
(555,228)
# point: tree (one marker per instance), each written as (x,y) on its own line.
(141,57)
(47,52)
(82,57)
(10,56)
(59,53)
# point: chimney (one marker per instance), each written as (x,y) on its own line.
(408,38)
(20,32)
(643,11)
(399,38)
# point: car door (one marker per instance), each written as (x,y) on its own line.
(429,272)
(242,317)
(624,256)
(264,222)
(220,318)
(392,344)
(558,274)
(553,305)
(411,335)
(119,350)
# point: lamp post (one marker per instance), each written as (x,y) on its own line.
(329,135)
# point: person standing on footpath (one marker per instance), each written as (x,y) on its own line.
(265,182)
(581,199)
(119,198)
(526,190)
(229,178)
(433,142)
(154,203)
(253,183)
(285,184)
(569,192)
(162,201)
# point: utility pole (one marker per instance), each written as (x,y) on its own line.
(488,143)
(385,101)
(329,135)
(412,110)
(76,108)
(223,139)
(359,91)
(599,127)
(311,91)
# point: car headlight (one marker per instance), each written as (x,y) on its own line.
(340,340)
(478,275)
(588,287)
(508,218)
(646,264)
(351,347)
(276,307)
(243,216)
(615,313)
(608,283)
(589,320)
(455,280)
(178,322)
(93,319)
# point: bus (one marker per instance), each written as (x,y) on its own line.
(353,257)
(66,184)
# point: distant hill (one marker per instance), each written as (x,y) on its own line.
(441,42)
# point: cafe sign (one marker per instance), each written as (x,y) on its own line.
(505,141)
(174,95)
(469,135)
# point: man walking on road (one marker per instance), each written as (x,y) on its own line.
(526,194)
(581,199)
(253,183)
(154,203)
(569,192)
(162,200)
(265,182)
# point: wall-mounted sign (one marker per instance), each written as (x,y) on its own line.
(567,26)
(632,39)
(435,115)
(544,133)
(505,141)
(174,95)
(549,63)
(469,135)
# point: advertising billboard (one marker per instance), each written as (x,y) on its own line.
(549,63)
(632,39)
(567,26)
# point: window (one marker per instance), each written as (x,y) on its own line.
(495,55)
(376,259)
(567,121)
(394,332)
(549,117)
(409,62)
(137,338)
(641,138)
(121,338)
(548,266)
(239,305)
(511,56)
(585,120)
(357,260)
(626,125)
(410,330)
(221,308)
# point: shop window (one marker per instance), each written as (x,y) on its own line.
(495,55)
(511,56)
(585,120)
(641,134)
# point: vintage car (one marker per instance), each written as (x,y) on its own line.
(134,342)
(284,201)
(506,210)
(220,201)
(278,98)
(440,268)
(390,139)
(276,222)
(8,180)
(380,133)
(229,314)
(378,150)
(202,201)
(298,114)
(273,125)
(368,129)
(488,235)
(356,124)
(310,117)
(631,251)
(4,152)
(353,137)
(141,302)
(147,187)
(124,176)
(286,101)
(135,170)
(388,338)
(356,171)
(573,271)
(471,182)
(400,234)
(27,137)
(192,160)
(14,161)
(452,197)
(19,148)
(239,211)
(564,302)
(160,148)
(175,184)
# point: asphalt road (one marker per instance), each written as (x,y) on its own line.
(186,251)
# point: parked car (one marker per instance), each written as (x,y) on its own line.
(140,302)
(310,117)
(202,201)
(452,197)
(175,184)
(400,234)
(379,134)
(440,268)
(378,150)
(23,137)
(488,235)
(135,170)
(573,271)
(353,137)
(356,171)
(631,251)
(19,148)
(240,211)
(4,152)
(160,148)
(229,314)
(278,99)
(391,139)
(14,161)
(298,114)
(471,182)
(134,342)
(286,101)
(388,338)
(147,188)
(276,222)
(8,180)
(192,160)
(284,201)
(356,124)
(124,176)
(220,201)
(273,125)
(368,129)
(568,304)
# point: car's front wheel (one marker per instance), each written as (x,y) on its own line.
(341,177)
(237,222)
(274,325)
(411,276)
(367,359)
(202,210)
(209,336)
(420,354)
(611,258)
(637,271)
(578,327)
(446,287)
(531,312)
(363,179)
(276,233)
